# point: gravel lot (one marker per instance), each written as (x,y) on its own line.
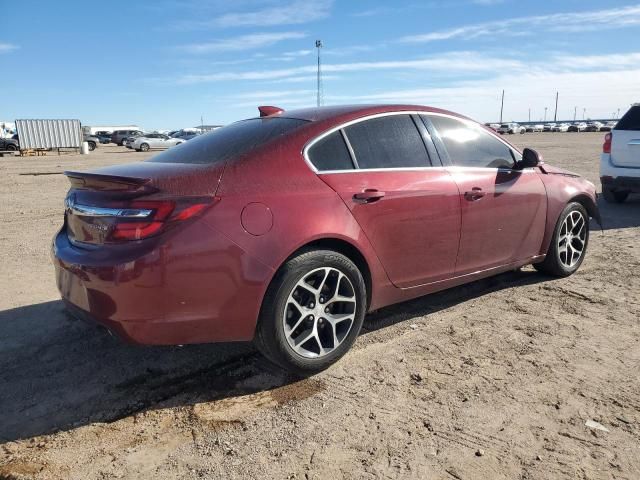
(491,380)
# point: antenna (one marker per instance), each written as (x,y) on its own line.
(319,46)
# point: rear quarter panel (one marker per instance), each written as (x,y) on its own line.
(301,207)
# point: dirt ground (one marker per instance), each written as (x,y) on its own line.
(493,380)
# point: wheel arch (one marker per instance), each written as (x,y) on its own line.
(338,245)
(590,206)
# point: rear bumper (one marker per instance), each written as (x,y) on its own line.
(627,184)
(194,286)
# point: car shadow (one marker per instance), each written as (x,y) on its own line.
(619,215)
(59,373)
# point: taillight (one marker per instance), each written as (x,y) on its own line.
(118,221)
(606,146)
(161,213)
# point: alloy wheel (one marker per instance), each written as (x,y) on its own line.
(572,238)
(319,312)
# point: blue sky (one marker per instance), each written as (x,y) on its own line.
(166,63)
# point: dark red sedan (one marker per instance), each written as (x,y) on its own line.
(287,228)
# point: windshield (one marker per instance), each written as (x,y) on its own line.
(233,140)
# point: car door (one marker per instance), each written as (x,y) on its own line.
(407,206)
(503,210)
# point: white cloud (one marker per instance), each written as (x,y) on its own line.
(243,42)
(294,13)
(600,92)
(7,47)
(565,22)
(452,62)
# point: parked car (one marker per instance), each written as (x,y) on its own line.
(511,128)
(548,127)
(593,126)
(103,136)
(119,136)
(171,251)
(560,127)
(186,134)
(153,141)
(9,144)
(620,160)
(92,141)
(607,127)
(577,127)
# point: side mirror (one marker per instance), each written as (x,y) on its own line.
(530,159)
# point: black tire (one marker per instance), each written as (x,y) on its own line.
(612,196)
(11,147)
(144,147)
(553,264)
(270,338)
(92,146)
(122,143)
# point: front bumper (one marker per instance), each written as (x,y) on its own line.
(190,286)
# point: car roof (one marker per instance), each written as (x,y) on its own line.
(341,113)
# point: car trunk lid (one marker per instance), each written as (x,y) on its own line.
(136,201)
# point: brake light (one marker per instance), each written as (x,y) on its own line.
(142,219)
(606,146)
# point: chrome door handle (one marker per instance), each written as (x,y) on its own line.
(474,194)
(370,195)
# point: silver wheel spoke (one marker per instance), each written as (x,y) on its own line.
(320,312)
(572,238)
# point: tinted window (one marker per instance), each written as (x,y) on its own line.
(470,146)
(331,153)
(392,141)
(231,141)
(630,120)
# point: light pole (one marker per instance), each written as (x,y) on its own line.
(584,112)
(319,46)
(501,106)
(545,114)
(529,115)
(575,112)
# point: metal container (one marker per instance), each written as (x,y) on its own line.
(39,133)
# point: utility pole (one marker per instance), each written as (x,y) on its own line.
(545,114)
(618,116)
(584,112)
(319,46)
(575,112)
(201,122)
(555,114)
(501,106)
(529,114)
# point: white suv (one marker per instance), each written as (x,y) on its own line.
(620,161)
(511,128)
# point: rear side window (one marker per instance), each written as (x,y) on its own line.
(469,146)
(233,140)
(392,141)
(331,153)
(630,120)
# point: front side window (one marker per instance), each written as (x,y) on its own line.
(331,153)
(470,146)
(391,141)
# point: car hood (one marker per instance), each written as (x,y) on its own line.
(551,170)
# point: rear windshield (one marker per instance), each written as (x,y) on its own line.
(630,120)
(224,143)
